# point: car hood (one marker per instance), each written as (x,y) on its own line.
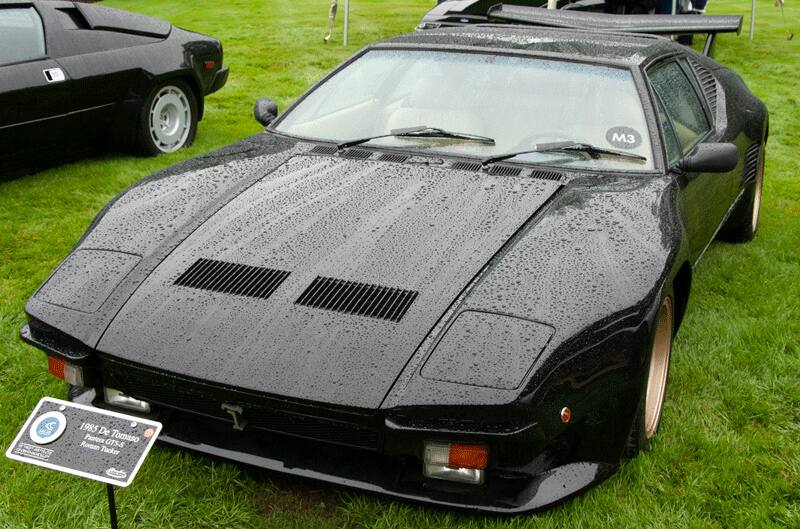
(423,229)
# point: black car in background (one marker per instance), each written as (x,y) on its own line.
(77,76)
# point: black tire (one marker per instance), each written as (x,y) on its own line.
(742,224)
(651,403)
(173,107)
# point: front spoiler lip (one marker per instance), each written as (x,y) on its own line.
(548,489)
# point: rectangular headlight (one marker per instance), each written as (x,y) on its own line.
(464,463)
(117,398)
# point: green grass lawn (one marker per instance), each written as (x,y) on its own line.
(728,454)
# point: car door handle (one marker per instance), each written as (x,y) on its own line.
(54,75)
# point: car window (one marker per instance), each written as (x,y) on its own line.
(520,102)
(671,144)
(681,104)
(21,35)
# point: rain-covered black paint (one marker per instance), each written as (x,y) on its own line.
(111,60)
(573,264)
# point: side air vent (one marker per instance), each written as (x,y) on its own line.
(232,278)
(504,170)
(358,154)
(751,162)
(71,18)
(396,158)
(323,149)
(361,299)
(707,83)
(547,175)
(466,166)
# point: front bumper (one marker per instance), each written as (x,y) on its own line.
(220,78)
(373,452)
(537,485)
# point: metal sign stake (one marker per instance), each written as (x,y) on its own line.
(112,505)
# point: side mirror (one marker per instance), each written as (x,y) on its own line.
(265,111)
(711,158)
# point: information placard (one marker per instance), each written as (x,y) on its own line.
(89,442)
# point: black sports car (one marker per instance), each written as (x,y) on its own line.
(466,300)
(74,76)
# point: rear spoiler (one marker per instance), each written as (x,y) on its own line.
(477,11)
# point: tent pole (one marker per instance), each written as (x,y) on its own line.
(347,19)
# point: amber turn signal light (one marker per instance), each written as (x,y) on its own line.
(468,456)
(56,367)
(465,463)
(67,372)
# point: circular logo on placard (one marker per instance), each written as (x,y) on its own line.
(623,137)
(116,474)
(48,427)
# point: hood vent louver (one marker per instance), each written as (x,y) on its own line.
(358,154)
(323,149)
(232,278)
(361,299)
(466,166)
(547,175)
(504,170)
(708,84)
(396,158)
(751,162)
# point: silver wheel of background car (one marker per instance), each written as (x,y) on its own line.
(757,192)
(170,119)
(659,367)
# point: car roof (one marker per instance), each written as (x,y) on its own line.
(624,48)
(37,3)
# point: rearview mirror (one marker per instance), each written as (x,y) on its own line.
(265,111)
(711,158)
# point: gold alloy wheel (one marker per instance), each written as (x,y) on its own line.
(757,197)
(659,368)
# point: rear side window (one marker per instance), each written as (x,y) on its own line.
(681,103)
(671,144)
(21,35)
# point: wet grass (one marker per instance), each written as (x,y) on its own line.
(728,454)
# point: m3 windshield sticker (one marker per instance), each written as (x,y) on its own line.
(623,137)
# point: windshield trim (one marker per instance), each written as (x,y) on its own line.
(633,69)
(467,157)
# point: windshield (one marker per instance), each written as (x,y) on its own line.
(519,102)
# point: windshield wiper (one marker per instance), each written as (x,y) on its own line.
(422,131)
(564,146)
